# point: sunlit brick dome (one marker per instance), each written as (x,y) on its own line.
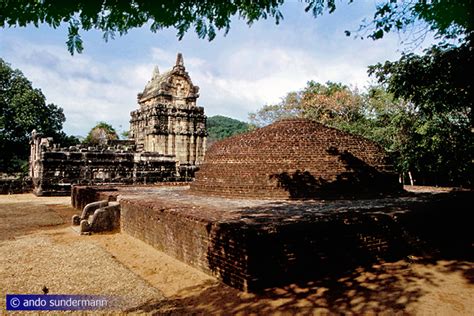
(295,158)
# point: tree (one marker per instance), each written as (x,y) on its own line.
(125,134)
(435,148)
(68,140)
(447,17)
(441,144)
(100,134)
(440,150)
(437,142)
(330,104)
(289,106)
(435,82)
(22,109)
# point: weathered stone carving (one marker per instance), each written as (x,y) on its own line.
(54,170)
(167,142)
(168,120)
(98,217)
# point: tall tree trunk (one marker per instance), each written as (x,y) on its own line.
(411,178)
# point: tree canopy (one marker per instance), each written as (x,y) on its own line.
(100,134)
(447,18)
(326,103)
(435,82)
(22,109)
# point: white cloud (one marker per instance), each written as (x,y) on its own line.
(87,90)
(256,74)
(233,84)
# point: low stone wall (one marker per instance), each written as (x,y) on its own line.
(15,186)
(56,171)
(255,246)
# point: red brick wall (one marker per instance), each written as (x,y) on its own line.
(267,246)
(180,236)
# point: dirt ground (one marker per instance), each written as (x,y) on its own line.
(38,248)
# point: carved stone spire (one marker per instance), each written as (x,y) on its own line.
(179,60)
(156,73)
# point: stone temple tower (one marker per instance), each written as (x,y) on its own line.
(168,120)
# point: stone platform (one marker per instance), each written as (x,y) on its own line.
(255,244)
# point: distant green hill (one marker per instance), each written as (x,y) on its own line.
(220,127)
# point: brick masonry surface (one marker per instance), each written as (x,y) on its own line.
(295,158)
(252,245)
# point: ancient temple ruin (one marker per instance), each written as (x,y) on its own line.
(167,143)
(168,120)
(277,204)
(295,158)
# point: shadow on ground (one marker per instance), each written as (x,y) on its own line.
(385,287)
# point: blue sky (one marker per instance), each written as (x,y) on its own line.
(237,73)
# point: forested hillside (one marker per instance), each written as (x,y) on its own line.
(220,127)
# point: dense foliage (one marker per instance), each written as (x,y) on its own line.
(220,127)
(439,138)
(100,134)
(447,18)
(435,82)
(436,149)
(325,103)
(22,109)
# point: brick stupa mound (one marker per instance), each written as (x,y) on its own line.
(295,158)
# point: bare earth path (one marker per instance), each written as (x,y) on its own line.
(38,248)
